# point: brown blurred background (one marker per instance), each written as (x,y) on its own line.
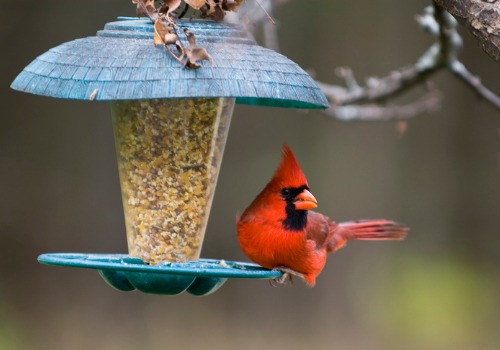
(439,289)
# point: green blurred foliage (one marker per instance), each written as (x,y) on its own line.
(441,302)
(11,330)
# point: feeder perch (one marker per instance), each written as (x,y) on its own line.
(170,126)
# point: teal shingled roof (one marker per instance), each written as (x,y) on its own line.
(121,63)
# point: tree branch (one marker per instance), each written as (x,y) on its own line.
(442,55)
(481,18)
(379,90)
(459,70)
(451,42)
(375,112)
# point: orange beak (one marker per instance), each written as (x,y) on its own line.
(305,201)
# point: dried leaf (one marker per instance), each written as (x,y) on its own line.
(218,14)
(144,7)
(163,9)
(213,10)
(197,54)
(196,4)
(190,37)
(231,5)
(172,4)
(170,39)
(165,29)
(180,49)
(161,30)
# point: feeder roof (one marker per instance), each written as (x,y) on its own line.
(121,63)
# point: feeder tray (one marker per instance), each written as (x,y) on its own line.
(124,273)
(122,65)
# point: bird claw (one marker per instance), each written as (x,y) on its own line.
(282,280)
(287,276)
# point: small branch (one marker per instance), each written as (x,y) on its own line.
(378,90)
(428,103)
(459,70)
(270,32)
(268,15)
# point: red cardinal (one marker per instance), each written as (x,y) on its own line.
(278,230)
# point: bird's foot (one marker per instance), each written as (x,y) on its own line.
(287,276)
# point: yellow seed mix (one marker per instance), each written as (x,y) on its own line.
(169,152)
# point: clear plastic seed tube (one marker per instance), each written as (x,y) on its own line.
(169,154)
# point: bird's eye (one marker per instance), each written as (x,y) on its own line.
(285,192)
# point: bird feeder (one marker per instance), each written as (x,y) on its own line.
(170,127)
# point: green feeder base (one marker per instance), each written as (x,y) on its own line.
(125,273)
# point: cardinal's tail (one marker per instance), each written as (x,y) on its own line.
(366,230)
(374,230)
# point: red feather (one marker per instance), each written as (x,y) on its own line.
(275,234)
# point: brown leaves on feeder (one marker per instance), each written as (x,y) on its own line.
(215,9)
(165,34)
(144,7)
(165,29)
(196,4)
(170,6)
(194,53)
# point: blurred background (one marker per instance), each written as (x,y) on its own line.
(439,289)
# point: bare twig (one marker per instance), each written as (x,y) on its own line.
(376,112)
(459,70)
(378,90)
(268,15)
(270,33)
